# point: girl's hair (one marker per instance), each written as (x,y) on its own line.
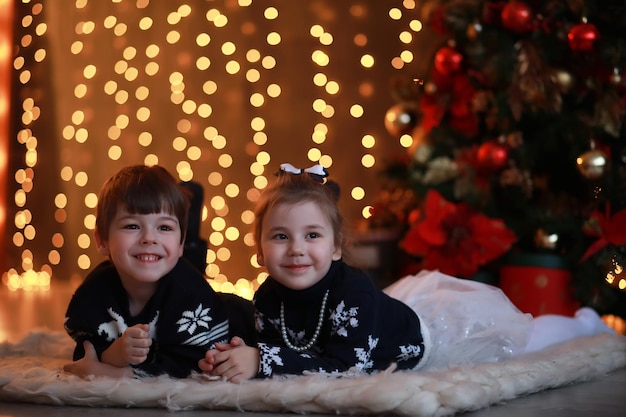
(296,189)
(141,189)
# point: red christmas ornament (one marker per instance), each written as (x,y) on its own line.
(448,60)
(492,155)
(517,17)
(583,37)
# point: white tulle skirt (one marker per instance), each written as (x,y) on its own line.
(465,321)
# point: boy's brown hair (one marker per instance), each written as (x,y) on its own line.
(142,189)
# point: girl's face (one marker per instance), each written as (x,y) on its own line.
(143,247)
(297,244)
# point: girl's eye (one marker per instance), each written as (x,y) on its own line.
(313,235)
(166,228)
(280,236)
(130,226)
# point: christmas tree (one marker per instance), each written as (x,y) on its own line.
(517,143)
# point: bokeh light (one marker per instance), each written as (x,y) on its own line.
(218,92)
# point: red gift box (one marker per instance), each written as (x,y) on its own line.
(538,284)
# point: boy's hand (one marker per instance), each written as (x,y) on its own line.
(89,365)
(137,343)
(131,348)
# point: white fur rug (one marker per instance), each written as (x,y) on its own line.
(31,371)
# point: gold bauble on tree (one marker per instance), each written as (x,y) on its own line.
(592,164)
(615,78)
(565,80)
(401,119)
(546,241)
(473,30)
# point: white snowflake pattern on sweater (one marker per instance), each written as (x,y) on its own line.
(116,328)
(268,356)
(191,320)
(364,355)
(343,318)
(274,322)
(297,337)
(408,352)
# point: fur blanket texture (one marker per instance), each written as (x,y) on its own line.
(31,371)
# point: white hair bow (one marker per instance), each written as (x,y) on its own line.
(316,170)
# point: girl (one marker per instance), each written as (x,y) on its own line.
(316,313)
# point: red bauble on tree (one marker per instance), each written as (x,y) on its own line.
(517,17)
(583,37)
(448,60)
(492,155)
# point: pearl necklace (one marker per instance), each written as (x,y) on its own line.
(320,321)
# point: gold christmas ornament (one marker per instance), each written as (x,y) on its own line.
(564,80)
(473,30)
(401,119)
(616,77)
(544,240)
(514,139)
(592,164)
(430,88)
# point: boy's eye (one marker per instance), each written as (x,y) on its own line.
(166,228)
(131,226)
(280,236)
(313,235)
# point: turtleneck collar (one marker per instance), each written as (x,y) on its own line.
(314,293)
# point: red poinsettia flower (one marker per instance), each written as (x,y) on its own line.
(455,239)
(610,230)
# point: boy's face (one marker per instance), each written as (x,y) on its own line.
(297,244)
(143,247)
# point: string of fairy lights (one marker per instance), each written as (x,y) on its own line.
(207,90)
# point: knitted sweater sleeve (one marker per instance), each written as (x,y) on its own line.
(87,317)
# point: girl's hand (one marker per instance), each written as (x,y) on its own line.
(237,364)
(208,363)
(234,362)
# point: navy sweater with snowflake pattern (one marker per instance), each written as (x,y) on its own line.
(186,318)
(363,327)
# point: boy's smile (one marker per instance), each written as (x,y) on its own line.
(143,247)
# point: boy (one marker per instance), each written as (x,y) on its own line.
(146,310)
